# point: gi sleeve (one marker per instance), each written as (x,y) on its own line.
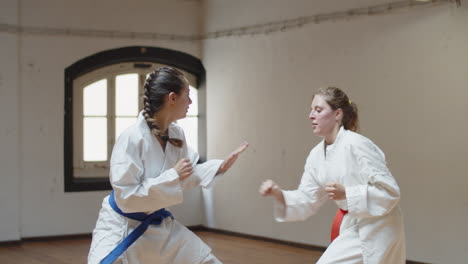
(303,202)
(380,192)
(203,173)
(133,191)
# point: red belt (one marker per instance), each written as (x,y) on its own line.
(335,230)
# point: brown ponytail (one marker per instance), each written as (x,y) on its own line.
(160,83)
(337,99)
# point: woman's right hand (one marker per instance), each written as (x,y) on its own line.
(270,188)
(184,168)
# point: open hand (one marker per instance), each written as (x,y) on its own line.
(229,161)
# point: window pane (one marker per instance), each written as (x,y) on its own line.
(126,95)
(190,126)
(95,139)
(95,99)
(121,123)
(193,109)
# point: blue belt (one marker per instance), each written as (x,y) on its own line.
(155,218)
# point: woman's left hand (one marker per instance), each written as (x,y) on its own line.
(229,161)
(335,191)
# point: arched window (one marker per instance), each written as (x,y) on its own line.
(103,97)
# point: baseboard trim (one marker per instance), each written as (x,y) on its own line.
(194,228)
(45,238)
(58,237)
(260,238)
(10,243)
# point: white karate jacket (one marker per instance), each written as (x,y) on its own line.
(144,180)
(372,196)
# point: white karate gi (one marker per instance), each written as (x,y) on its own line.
(372,232)
(144,180)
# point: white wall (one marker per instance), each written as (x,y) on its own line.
(9,128)
(32,99)
(407,72)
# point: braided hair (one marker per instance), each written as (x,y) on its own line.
(160,83)
(337,99)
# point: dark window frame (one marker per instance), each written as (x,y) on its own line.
(93,62)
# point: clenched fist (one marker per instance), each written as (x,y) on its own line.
(335,191)
(184,168)
(270,188)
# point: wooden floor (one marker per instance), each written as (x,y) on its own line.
(229,249)
(237,250)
